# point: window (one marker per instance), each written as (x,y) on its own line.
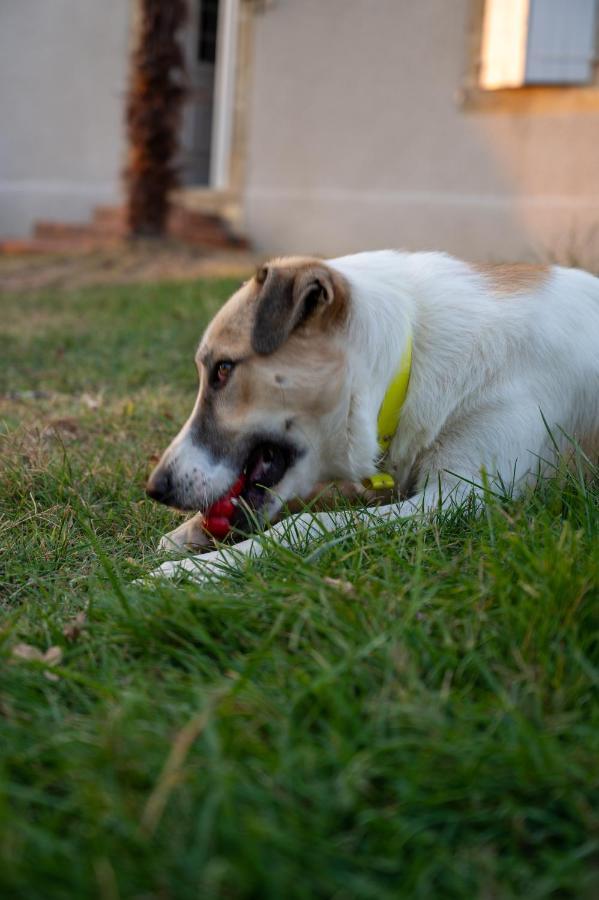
(528,42)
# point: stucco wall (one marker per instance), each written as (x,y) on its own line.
(62,83)
(358,139)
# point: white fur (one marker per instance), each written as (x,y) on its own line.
(197,473)
(496,379)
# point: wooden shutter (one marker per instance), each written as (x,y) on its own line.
(561,41)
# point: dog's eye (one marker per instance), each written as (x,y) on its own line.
(222,371)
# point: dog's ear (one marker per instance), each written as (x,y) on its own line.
(287,299)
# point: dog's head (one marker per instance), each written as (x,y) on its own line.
(272,384)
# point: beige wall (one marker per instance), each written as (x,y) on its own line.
(62,83)
(358,139)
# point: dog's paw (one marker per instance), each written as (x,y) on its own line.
(167,543)
(188,536)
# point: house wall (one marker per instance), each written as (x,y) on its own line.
(62,86)
(360,135)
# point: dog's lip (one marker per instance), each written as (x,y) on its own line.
(265,466)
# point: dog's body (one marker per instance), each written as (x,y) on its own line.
(293,370)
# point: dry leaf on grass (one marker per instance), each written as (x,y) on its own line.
(64,430)
(52,657)
(341,585)
(26,651)
(74,627)
(92,401)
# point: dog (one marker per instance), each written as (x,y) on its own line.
(500,375)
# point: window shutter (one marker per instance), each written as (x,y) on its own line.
(561,41)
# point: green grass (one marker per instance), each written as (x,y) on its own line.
(433,732)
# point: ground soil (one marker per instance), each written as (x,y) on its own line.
(128,262)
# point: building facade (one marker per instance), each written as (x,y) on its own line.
(63,77)
(328,126)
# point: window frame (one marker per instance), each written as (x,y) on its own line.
(527,97)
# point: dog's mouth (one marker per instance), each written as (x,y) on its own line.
(264,468)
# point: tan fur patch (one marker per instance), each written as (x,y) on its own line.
(304,377)
(229,333)
(513,278)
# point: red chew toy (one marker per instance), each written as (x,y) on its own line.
(217,518)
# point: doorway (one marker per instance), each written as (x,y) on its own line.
(200,47)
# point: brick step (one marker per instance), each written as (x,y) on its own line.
(110,220)
(110,214)
(55,246)
(196,226)
(108,228)
(200,229)
(44,230)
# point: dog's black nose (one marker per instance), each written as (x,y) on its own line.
(160,485)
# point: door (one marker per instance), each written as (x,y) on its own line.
(200,54)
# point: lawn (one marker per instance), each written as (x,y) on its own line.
(406,714)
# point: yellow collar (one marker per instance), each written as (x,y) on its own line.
(389,414)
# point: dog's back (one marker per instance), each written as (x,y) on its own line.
(520,335)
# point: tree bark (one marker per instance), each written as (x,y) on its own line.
(154,110)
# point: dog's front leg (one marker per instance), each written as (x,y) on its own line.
(294,532)
(208,567)
(189,535)
(298,531)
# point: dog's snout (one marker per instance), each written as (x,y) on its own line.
(160,485)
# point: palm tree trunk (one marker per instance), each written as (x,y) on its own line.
(154,110)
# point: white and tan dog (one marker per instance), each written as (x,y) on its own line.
(294,368)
